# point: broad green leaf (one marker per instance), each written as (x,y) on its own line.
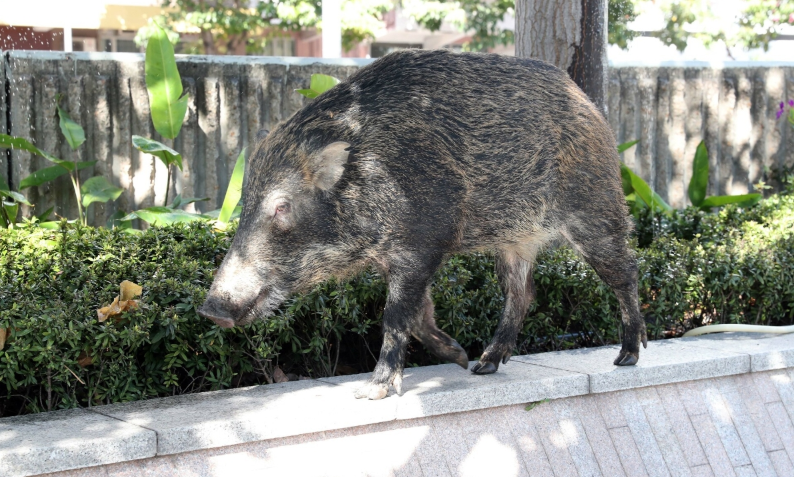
(13,142)
(214,214)
(163,215)
(116,221)
(626,145)
(84,165)
(644,191)
(699,183)
(43,175)
(180,201)
(4,185)
(98,189)
(319,85)
(11,209)
(625,177)
(19,198)
(311,94)
(72,131)
(165,153)
(52,225)
(720,200)
(167,104)
(45,215)
(235,189)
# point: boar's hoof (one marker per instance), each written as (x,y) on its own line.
(458,355)
(626,358)
(484,367)
(373,391)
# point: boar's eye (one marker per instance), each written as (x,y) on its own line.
(282,208)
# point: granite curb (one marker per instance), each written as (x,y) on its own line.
(73,439)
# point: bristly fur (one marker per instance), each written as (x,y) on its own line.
(446,153)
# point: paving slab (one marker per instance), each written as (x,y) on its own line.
(71,439)
(446,388)
(223,418)
(663,362)
(767,351)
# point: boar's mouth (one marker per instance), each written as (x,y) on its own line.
(262,306)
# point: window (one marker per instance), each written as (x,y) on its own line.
(126,46)
(279,46)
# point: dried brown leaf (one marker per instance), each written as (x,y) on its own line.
(110,310)
(279,376)
(3,335)
(129,290)
(84,360)
(123,302)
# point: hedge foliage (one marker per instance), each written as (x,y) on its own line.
(735,266)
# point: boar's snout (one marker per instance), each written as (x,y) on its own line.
(207,310)
(238,293)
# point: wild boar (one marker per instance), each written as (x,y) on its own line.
(421,155)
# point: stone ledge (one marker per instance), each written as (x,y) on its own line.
(663,362)
(72,439)
(767,351)
(115,433)
(447,388)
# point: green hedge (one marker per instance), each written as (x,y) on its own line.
(731,267)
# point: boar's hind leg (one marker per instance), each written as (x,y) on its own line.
(615,264)
(404,306)
(435,340)
(515,277)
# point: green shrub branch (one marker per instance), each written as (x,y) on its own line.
(734,266)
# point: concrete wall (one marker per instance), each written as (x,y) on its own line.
(231,98)
(670,108)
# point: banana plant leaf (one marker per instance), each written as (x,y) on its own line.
(98,189)
(180,201)
(744,200)
(168,106)
(158,149)
(699,183)
(319,85)
(163,216)
(627,145)
(234,191)
(72,131)
(643,190)
(14,142)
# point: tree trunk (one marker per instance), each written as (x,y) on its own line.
(209,42)
(570,34)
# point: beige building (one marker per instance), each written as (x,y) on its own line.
(111,25)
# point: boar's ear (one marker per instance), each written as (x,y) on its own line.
(328,165)
(261,135)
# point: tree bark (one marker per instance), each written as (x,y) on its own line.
(571,35)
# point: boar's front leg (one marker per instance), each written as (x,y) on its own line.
(405,305)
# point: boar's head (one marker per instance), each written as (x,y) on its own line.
(291,235)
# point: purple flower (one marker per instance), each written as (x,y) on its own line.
(782,109)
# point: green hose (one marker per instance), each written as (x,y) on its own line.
(744,328)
